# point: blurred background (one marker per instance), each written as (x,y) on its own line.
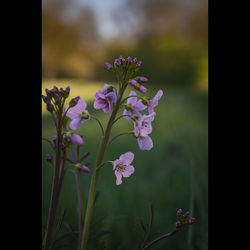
(171,39)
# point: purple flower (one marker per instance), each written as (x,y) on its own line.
(154,101)
(133,106)
(104,98)
(142,128)
(77,139)
(78,114)
(135,60)
(122,167)
(108,65)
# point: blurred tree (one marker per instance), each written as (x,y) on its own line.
(68,40)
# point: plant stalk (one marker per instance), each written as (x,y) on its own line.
(99,159)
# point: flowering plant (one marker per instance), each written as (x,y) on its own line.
(110,99)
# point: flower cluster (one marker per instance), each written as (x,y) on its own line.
(142,122)
(55,98)
(183,219)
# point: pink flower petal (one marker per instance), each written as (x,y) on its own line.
(75,123)
(128,171)
(127,158)
(118,177)
(145,143)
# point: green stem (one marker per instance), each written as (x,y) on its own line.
(55,191)
(99,159)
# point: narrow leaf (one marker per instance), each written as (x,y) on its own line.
(98,221)
(101,234)
(84,156)
(141,224)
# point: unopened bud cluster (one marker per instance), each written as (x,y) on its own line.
(125,67)
(55,98)
(183,219)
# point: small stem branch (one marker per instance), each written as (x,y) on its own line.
(159,238)
(120,118)
(125,133)
(99,124)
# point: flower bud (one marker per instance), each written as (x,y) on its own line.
(84,169)
(108,65)
(191,221)
(66,92)
(49,106)
(117,62)
(135,60)
(133,83)
(57,98)
(143,79)
(179,211)
(142,89)
(74,101)
(110,88)
(49,158)
(139,64)
(77,139)
(45,99)
(178,224)
(129,59)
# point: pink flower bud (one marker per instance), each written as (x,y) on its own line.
(84,169)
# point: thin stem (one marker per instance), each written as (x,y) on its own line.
(125,133)
(80,208)
(92,190)
(120,118)
(98,123)
(151,217)
(159,238)
(104,163)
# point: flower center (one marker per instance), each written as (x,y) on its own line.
(128,106)
(144,124)
(120,167)
(84,115)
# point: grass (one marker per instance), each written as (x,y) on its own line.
(162,175)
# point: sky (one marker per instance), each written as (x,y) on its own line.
(103,9)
